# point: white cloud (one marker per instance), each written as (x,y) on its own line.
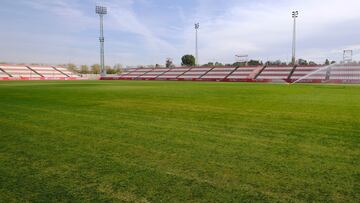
(144,31)
(264,29)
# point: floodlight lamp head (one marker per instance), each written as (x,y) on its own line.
(197,25)
(101,10)
(295,14)
(242,56)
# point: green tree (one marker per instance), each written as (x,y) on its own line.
(303,62)
(241,64)
(218,64)
(278,62)
(327,62)
(110,70)
(84,69)
(71,67)
(169,63)
(333,62)
(274,63)
(209,64)
(118,68)
(254,63)
(188,60)
(95,69)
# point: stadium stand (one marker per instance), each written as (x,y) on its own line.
(243,74)
(164,71)
(275,73)
(173,73)
(194,73)
(302,71)
(69,74)
(152,75)
(48,72)
(218,73)
(32,72)
(312,74)
(189,73)
(3,75)
(344,73)
(337,73)
(20,72)
(136,73)
(123,74)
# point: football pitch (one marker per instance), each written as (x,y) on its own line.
(143,141)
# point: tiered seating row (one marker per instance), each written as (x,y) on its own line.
(68,73)
(3,76)
(189,73)
(329,74)
(345,73)
(48,72)
(302,71)
(173,73)
(136,73)
(244,74)
(275,73)
(23,72)
(194,73)
(338,73)
(219,73)
(19,71)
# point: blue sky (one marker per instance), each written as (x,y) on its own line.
(149,31)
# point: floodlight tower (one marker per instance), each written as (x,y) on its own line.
(101,10)
(242,59)
(197,26)
(295,14)
(347,56)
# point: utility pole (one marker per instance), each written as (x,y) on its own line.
(295,14)
(101,10)
(197,26)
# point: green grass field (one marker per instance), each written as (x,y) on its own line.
(138,141)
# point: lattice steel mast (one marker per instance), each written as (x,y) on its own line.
(101,10)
